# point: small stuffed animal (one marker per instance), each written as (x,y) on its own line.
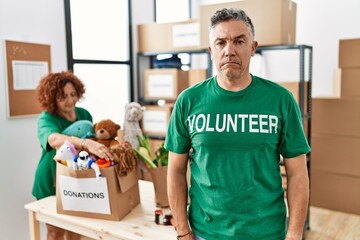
(126,158)
(106,132)
(66,153)
(133,114)
(80,129)
(84,161)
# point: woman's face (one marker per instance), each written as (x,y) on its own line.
(67,102)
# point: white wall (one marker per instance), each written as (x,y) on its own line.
(37,21)
(321,24)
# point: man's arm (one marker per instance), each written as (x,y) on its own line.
(297,195)
(178,192)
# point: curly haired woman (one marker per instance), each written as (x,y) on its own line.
(58,94)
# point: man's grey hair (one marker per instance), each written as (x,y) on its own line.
(227,14)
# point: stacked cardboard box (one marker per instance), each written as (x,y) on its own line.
(274,20)
(335,172)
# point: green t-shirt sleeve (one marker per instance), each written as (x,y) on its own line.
(46,126)
(293,141)
(177,137)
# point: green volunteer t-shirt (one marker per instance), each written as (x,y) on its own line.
(44,183)
(237,139)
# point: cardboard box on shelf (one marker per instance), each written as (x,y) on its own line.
(156,119)
(336,154)
(335,191)
(164,83)
(148,43)
(336,116)
(174,36)
(350,82)
(196,76)
(349,52)
(111,197)
(274,20)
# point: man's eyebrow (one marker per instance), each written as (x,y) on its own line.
(240,36)
(236,37)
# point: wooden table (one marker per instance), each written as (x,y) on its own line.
(138,224)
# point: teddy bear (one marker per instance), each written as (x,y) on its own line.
(106,132)
(131,127)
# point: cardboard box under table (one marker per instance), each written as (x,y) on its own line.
(111,197)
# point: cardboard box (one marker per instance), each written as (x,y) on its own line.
(336,154)
(350,82)
(349,52)
(197,76)
(111,197)
(274,20)
(336,116)
(174,36)
(164,83)
(335,191)
(155,120)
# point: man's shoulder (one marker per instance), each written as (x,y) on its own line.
(199,87)
(269,85)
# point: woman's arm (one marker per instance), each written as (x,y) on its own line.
(55,140)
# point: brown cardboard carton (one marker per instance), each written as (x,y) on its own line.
(111,198)
(274,20)
(197,76)
(336,154)
(148,43)
(164,83)
(336,116)
(349,52)
(156,119)
(335,191)
(350,82)
(174,36)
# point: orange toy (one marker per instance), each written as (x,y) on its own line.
(103,163)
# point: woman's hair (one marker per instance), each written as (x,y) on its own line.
(51,87)
(227,14)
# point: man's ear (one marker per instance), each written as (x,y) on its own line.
(209,49)
(253,47)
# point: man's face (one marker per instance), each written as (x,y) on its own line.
(231,47)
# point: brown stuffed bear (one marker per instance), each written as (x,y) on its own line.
(106,132)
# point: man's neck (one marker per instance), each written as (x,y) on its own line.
(234,85)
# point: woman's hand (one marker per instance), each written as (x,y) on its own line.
(98,149)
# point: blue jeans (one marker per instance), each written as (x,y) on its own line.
(196,237)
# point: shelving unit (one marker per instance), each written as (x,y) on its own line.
(303,89)
(145,59)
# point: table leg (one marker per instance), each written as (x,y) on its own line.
(34,226)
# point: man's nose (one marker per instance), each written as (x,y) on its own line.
(229,50)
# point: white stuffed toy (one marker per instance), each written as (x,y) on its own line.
(84,161)
(133,114)
(66,154)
